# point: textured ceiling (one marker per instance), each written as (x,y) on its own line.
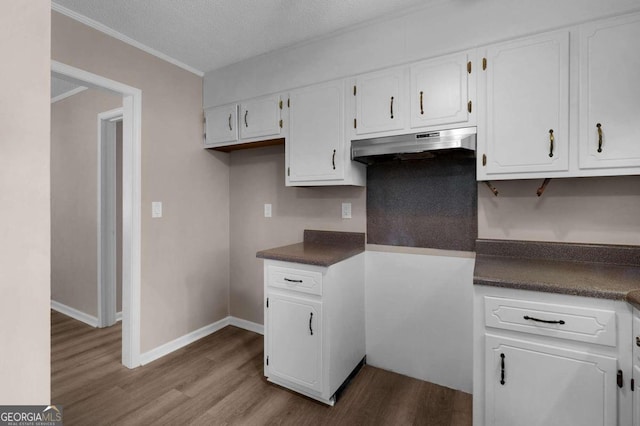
(209,34)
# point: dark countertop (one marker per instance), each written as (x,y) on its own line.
(510,265)
(320,248)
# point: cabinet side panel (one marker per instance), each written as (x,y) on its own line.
(345,330)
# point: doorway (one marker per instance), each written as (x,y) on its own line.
(131,113)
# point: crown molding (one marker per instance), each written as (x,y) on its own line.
(115,34)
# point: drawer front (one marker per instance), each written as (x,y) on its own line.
(562,321)
(295,279)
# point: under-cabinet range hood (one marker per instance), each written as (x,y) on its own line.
(414,146)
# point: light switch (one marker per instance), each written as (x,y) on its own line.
(346,210)
(267,210)
(156,209)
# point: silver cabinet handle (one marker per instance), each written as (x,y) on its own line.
(230,128)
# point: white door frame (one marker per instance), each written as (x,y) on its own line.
(107,238)
(131,200)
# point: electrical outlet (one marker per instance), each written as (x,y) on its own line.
(346,210)
(156,209)
(267,210)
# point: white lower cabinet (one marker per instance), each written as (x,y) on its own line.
(314,325)
(550,359)
(535,384)
(295,334)
(635,341)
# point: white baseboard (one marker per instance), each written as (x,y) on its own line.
(198,334)
(74,313)
(118,316)
(182,341)
(247,325)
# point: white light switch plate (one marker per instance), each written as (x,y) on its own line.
(346,210)
(156,209)
(267,210)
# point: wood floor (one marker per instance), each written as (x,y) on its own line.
(218,380)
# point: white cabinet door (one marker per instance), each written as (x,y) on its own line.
(439,91)
(636,396)
(316,133)
(294,327)
(221,125)
(260,117)
(610,94)
(527,107)
(531,384)
(380,102)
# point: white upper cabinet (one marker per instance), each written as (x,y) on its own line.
(439,91)
(524,118)
(610,94)
(221,125)
(261,118)
(380,101)
(316,150)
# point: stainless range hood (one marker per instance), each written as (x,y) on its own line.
(417,145)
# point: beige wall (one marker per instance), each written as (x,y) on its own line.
(587,210)
(74,198)
(185,254)
(24,197)
(257,177)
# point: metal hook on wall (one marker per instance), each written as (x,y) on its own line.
(540,190)
(491,187)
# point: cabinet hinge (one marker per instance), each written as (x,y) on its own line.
(267,360)
(280,124)
(469,67)
(280,104)
(484,64)
(469,106)
(484,159)
(267,302)
(355,123)
(288,171)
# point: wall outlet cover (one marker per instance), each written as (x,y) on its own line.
(267,210)
(156,209)
(346,210)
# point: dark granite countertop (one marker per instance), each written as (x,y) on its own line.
(320,248)
(575,269)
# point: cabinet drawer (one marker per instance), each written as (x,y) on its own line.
(295,279)
(569,322)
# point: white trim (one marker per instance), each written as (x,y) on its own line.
(118,316)
(74,313)
(117,35)
(131,201)
(246,325)
(68,94)
(107,217)
(182,341)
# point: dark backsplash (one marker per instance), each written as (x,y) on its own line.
(423,203)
